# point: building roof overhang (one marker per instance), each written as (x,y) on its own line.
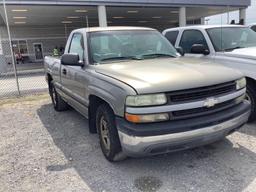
(231,3)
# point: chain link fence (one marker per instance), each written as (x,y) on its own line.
(22,77)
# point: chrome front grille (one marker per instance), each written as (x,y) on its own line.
(203,93)
(190,113)
(191,95)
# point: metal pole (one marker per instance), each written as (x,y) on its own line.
(66,35)
(102,16)
(10,44)
(228,10)
(182,17)
(87,22)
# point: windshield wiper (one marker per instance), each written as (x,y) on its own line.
(120,58)
(138,57)
(233,48)
(155,55)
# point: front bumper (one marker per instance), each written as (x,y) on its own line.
(137,145)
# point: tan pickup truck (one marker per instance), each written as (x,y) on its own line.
(140,96)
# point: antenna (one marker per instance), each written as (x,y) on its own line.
(221,33)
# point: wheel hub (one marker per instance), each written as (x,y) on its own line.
(104,132)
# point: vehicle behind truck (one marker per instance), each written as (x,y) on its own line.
(230,45)
(140,96)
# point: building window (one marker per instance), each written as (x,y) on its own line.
(20,46)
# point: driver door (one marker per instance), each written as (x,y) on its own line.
(73,78)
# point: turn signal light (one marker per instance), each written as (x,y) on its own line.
(147,118)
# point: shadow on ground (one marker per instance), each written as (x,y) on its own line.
(250,129)
(217,167)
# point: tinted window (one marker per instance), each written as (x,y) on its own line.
(191,37)
(172,36)
(254,28)
(77,45)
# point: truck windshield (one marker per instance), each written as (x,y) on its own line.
(230,38)
(106,46)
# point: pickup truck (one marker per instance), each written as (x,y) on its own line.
(230,45)
(140,96)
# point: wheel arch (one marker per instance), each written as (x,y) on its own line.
(251,91)
(94,102)
(49,78)
(251,81)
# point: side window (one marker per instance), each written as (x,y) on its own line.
(191,37)
(254,28)
(172,36)
(77,45)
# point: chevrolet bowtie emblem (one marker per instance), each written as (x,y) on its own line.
(210,102)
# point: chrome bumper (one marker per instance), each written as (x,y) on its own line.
(151,145)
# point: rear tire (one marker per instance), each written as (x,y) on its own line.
(251,97)
(58,103)
(108,135)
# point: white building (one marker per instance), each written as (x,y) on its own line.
(36,27)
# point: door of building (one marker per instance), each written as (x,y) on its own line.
(38,48)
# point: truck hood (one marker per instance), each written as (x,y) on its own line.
(167,74)
(245,53)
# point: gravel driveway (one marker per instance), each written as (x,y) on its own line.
(43,150)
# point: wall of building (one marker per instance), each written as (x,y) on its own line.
(48,36)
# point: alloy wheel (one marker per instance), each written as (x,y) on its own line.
(105,133)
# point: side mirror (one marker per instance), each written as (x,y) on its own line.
(180,50)
(71,59)
(199,49)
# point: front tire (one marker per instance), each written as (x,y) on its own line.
(58,103)
(108,135)
(251,97)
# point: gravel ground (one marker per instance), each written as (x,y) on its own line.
(43,150)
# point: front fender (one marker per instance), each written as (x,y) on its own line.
(111,91)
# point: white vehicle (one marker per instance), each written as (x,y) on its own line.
(231,45)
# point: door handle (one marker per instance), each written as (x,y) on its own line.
(64,71)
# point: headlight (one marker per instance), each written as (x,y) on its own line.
(147,118)
(146,100)
(241,83)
